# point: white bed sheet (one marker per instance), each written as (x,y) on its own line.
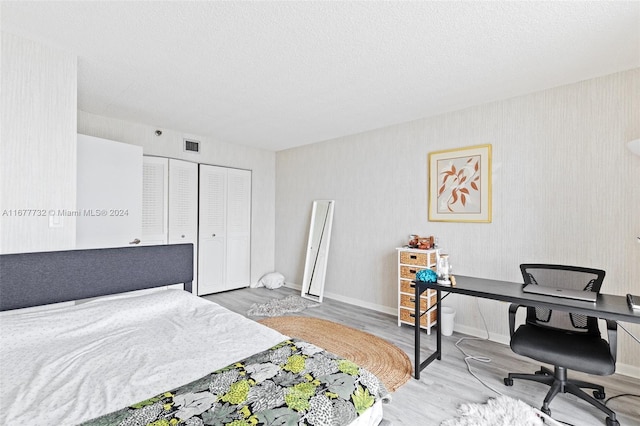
(66,365)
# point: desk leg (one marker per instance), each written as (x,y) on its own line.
(419,366)
(416,313)
(438,328)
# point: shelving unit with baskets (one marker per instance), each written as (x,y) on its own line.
(410,261)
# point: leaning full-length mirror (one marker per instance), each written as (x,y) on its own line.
(315,266)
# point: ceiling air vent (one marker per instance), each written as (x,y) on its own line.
(191,145)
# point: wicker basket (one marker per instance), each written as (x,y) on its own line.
(409,272)
(406,315)
(407,286)
(407,300)
(415,258)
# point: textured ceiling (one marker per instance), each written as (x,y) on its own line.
(276,75)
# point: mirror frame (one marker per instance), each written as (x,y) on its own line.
(315,267)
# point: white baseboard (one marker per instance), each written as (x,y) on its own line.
(624,369)
(293,285)
(360,303)
(476,332)
(628,370)
(351,301)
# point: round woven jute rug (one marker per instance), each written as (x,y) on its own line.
(385,360)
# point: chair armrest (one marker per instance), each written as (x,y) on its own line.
(512,317)
(612,335)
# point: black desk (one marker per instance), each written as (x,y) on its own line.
(607,306)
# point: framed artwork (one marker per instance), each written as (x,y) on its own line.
(460,185)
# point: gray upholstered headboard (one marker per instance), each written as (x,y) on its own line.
(32,279)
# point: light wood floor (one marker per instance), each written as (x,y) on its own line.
(445,384)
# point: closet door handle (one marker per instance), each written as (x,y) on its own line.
(136,241)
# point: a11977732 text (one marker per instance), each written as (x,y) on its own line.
(64,212)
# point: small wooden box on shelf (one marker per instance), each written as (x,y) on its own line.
(410,261)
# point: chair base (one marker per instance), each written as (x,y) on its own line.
(559,383)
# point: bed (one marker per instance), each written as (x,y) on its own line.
(77,347)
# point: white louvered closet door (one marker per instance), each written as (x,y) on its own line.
(238,228)
(155,178)
(183,208)
(212,238)
(183,202)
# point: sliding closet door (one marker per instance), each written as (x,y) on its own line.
(238,228)
(224,242)
(155,179)
(183,208)
(212,238)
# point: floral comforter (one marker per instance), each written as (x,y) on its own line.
(293,383)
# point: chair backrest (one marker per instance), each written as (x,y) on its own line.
(567,277)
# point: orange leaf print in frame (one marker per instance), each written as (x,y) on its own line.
(459,185)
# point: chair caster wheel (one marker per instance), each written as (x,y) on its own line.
(508,381)
(598,395)
(539,373)
(612,422)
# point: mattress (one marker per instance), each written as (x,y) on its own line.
(66,365)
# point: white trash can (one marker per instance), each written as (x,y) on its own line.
(447,315)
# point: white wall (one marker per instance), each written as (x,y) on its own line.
(40,121)
(37,145)
(170,144)
(565,190)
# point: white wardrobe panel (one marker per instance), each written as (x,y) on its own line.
(238,262)
(239,201)
(109,193)
(155,200)
(183,208)
(183,201)
(212,229)
(238,228)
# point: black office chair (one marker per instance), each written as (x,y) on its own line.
(564,340)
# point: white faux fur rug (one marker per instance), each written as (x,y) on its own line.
(277,307)
(501,411)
